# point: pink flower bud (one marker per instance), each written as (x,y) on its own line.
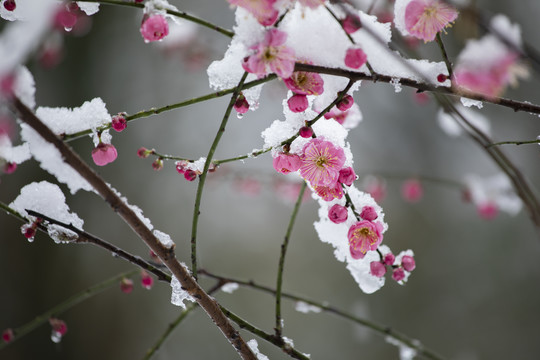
(126,285)
(154,28)
(442,78)
(355,58)
(351,23)
(119,122)
(6,85)
(157,165)
(65,19)
(398,274)
(338,214)
(147,281)
(377,268)
(347,176)
(368,213)
(29,231)
(408,263)
(346,103)
(298,103)
(190,175)
(181,167)
(59,329)
(412,190)
(286,163)
(305,132)
(10,5)
(143,152)
(488,211)
(241,105)
(7,335)
(389,259)
(104,154)
(9,168)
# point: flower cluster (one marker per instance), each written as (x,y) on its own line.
(401,266)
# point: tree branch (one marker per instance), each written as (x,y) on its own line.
(166,255)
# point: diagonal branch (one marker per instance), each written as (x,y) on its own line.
(166,255)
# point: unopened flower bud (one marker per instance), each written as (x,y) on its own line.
(377,268)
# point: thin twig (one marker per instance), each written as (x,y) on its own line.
(67,304)
(166,254)
(279,325)
(444,54)
(202,177)
(515,142)
(380,329)
(179,14)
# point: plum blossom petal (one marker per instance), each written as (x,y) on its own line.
(321,162)
(425,18)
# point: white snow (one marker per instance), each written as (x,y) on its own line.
(254,346)
(179,295)
(405,352)
(164,239)
(305,308)
(88,8)
(450,125)
(497,189)
(229,287)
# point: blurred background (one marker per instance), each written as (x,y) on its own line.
(474,294)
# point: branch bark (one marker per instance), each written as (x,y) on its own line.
(167,256)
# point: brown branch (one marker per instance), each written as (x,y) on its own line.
(167,256)
(513,104)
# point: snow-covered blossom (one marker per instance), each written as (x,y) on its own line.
(338,214)
(364,236)
(262,10)
(351,23)
(321,162)
(286,163)
(271,55)
(408,263)
(389,259)
(10,5)
(298,103)
(305,83)
(355,58)
(412,190)
(104,154)
(154,27)
(425,18)
(190,175)
(311,3)
(491,194)
(488,65)
(398,274)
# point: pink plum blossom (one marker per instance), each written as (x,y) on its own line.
(8,335)
(398,274)
(321,162)
(143,152)
(389,259)
(313,4)
(364,236)
(487,210)
(347,176)
(336,114)
(412,191)
(286,163)
(271,55)
(368,213)
(126,285)
(351,23)
(119,122)
(329,193)
(59,329)
(65,19)
(241,105)
(345,103)
(305,132)
(10,167)
(157,164)
(10,5)
(147,281)
(305,83)
(298,103)
(154,28)
(181,166)
(190,175)
(377,268)
(425,18)
(355,58)
(262,10)
(337,214)
(104,154)
(489,78)
(408,263)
